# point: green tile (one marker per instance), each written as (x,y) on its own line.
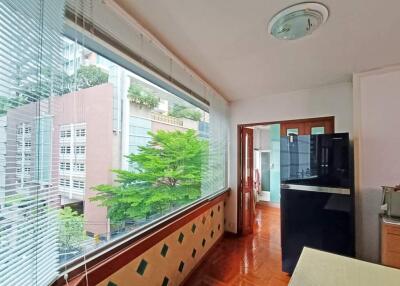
(193,228)
(181,237)
(212,234)
(194,252)
(203,242)
(165,281)
(164,250)
(142,267)
(111,284)
(181,265)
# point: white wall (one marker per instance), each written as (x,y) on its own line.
(377,143)
(332,100)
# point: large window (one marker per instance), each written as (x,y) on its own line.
(153,165)
(89,150)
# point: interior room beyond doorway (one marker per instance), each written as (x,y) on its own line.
(266,148)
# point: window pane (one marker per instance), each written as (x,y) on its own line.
(156,163)
(317,130)
(292,131)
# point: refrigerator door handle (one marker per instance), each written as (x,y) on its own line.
(317,189)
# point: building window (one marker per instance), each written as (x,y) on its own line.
(65,166)
(65,133)
(80,149)
(65,149)
(80,132)
(78,184)
(28,143)
(79,167)
(64,182)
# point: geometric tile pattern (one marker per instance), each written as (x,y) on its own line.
(181,237)
(142,267)
(171,260)
(164,250)
(194,252)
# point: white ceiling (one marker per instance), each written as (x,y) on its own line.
(226,42)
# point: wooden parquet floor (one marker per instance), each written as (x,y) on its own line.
(248,261)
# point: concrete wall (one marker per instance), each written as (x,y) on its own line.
(377,141)
(332,100)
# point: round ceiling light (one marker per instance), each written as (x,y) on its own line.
(298,21)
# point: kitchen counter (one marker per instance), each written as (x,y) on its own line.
(316,268)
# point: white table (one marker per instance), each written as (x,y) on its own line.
(319,268)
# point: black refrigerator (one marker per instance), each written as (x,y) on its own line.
(317,196)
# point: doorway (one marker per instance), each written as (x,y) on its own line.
(259,167)
(266,148)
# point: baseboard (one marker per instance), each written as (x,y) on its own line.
(202,259)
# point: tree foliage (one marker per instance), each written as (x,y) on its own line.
(180,111)
(71,229)
(89,76)
(142,96)
(167,174)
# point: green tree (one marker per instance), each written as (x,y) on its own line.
(89,76)
(142,96)
(180,111)
(167,174)
(71,229)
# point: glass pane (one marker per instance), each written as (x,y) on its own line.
(156,161)
(317,130)
(292,131)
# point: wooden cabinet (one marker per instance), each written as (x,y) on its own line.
(390,242)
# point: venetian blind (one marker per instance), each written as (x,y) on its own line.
(30,77)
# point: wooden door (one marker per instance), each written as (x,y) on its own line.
(308,126)
(248,205)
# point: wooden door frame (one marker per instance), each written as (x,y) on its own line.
(239,222)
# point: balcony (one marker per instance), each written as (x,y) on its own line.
(72,193)
(166,119)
